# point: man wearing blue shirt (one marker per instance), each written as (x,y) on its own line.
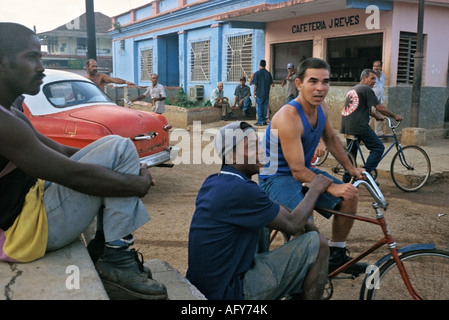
(231,210)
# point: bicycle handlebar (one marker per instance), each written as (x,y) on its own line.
(373,189)
(390,124)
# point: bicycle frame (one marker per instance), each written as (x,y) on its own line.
(396,143)
(379,203)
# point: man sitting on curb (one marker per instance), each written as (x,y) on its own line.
(218,100)
(50,193)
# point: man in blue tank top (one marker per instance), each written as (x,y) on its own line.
(290,141)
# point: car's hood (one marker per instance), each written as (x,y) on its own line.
(120,120)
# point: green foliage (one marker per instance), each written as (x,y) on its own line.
(184,102)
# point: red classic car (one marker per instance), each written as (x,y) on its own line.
(72,110)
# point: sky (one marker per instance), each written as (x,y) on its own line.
(47,15)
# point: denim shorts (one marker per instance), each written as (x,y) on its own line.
(289,192)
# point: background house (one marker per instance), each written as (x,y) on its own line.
(65,47)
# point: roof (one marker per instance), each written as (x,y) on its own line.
(103,24)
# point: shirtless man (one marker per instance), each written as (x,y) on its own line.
(102,79)
(290,141)
(51,193)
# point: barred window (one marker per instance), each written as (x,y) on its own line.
(406,61)
(146,64)
(200,61)
(239,57)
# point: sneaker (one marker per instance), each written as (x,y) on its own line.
(258,124)
(96,246)
(338,257)
(224,119)
(123,276)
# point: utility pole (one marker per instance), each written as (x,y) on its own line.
(91,38)
(417,76)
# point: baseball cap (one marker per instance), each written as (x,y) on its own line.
(290,66)
(231,135)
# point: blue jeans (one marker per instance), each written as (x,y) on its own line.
(246,106)
(70,212)
(262,107)
(289,192)
(374,145)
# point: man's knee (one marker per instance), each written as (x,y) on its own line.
(323,251)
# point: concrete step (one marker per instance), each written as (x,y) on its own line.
(65,274)
(69,274)
(178,287)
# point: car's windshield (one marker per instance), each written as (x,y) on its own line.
(70,93)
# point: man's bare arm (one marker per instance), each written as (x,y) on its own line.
(28,153)
(65,150)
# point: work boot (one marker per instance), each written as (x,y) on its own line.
(124,278)
(96,246)
(338,257)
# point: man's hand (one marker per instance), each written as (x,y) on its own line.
(144,173)
(320,150)
(320,184)
(346,191)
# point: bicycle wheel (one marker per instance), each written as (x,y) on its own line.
(338,171)
(427,269)
(410,169)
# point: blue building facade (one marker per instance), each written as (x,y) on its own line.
(186,45)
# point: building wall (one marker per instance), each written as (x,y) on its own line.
(162,34)
(403,18)
(169,26)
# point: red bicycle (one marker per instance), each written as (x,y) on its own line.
(417,271)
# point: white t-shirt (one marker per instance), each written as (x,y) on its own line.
(157,92)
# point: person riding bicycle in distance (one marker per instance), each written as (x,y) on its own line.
(231,211)
(356,117)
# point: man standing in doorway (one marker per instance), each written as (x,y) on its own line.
(262,82)
(292,92)
(101,79)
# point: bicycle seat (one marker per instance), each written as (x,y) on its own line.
(350,137)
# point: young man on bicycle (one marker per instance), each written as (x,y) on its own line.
(290,141)
(231,211)
(356,117)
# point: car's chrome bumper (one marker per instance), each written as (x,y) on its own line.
(169,154)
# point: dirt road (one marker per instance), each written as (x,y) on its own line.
(420,217)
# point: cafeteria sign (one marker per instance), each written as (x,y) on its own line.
(334,23)
(372,22)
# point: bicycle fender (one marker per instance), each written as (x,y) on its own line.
(411,247)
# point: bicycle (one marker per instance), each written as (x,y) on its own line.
(422,270)
(410,166)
